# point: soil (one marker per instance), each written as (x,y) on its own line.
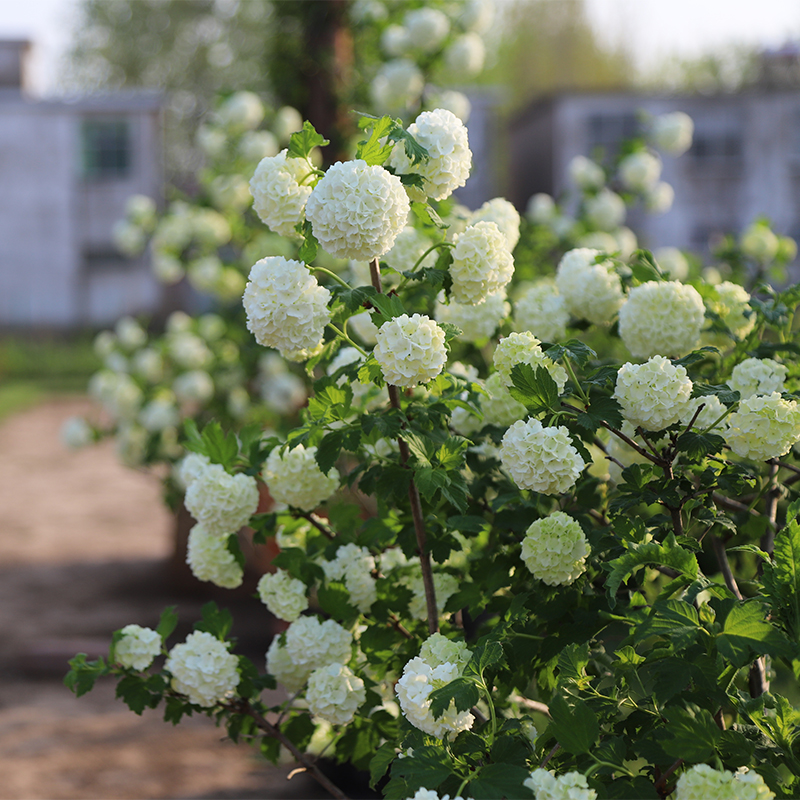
(84,549)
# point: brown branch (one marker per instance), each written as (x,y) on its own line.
(640,450)
(314,520)
(733,505)
(771,507)
(399,627)
(302,758)
(375,275)
(791,468)
(661,782)
(555,749)
(533,705)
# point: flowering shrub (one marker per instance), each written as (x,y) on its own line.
(478,606)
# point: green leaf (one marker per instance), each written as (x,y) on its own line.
(175,709)
(220,447)
(82,674)
(216,621)
(329,450)
(489,654)
(601,409)
(575,350)
(302,142)
(381,762)
(414,150)
(427,216)
(370,371)
(726,395)
(133,691)
(695,357)
(499,780)
(388,307)
(786,570)
(334,599)
(372,150)
(299,729)
(461,691)
(430,480)
(668,554)
(450,331)
(535,389)
(746,634)
(692,733)
(572,663)
(353,299)
(699,445)
(644,268)
(576,728)
(167,623)
(308,249)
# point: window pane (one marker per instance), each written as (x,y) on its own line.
(106,148)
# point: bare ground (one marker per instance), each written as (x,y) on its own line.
(84,544)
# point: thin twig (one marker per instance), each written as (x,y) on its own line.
(533,705)
(791,468)
(771,507)
(399,627)
(733,505)
(315,521)
(640,450)
(725,567)
(661,782)
(245,708)
(555,749)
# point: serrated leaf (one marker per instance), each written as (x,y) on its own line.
(576,728)
(370,371)
(535,389)
(380,762)
(489,654)
(414,150)
(388,307)
(302,142)
(746,634)
(726,395)
(216,621)
(427,215)
(353,299)
(644,267)
(450,331)
(699,445)
(82,674)
(371,149)
(668,554)
(461,691)
(696,356)
(692,733)
(498,780)
(310,246)
(601,409)
(328,450)
(574,349)
(133,691)
(334,599)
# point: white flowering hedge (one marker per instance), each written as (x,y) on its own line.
(547,569)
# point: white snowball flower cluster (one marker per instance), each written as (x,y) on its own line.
(394,40)
(203,669)
(334,693)
(731,303)
(188,350)
(191,466)
(672,262)
(294,478)
(764,427)
(440,661)
(540,458)
(465,57)
(476,322)
(606,210)
(757,376)
(241,111)
(287,121)
(500,408)
(712,410)
(427,28)
(354,565)
(137,647)
(542,311)
(408,248)
(397,86)
(672,132)
(504,215)
(357,210)
(640,171)
(655,394)
(279,198)
(555,548)
(523,348)
(255,145)
(286,308)
(702,782)
(148,364)
(590,290)
(209,559)
(450,100)
(444,136)
(658,199)
(195,386)
(569,786)
(283,595)
(541,209)
(313,644)
(477,15)
(760,243)
(585,173)
(160,413)
(221,501)
(410,350)
(444,584)
(285,671)
(120,395)
(482,263)
(75,433)
(661,317)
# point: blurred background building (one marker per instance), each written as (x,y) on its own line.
(66,172)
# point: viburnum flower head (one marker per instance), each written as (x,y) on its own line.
(286,672)
(294,478)
(357,210)
(702,782)
(591,290)
(661,317)
(658,199)
(655,394)
(504,215)
(760,243)
(476,322)
(283,595)
(731,302)
(523,348)
(334,693)
(712,410)
(585,173)
(672,132)
(209,559)
(482,263)
(221,501)
(408,248)
(427,28)
(640,171)
(569,786)
(672,262)
(606,210)
(421,676)
(410,350)
(311,643)
(203,669)
(465,57)
(137,647)
(397,86)
(764,427)
(541,208)
(279,197)
(444,584)
(354,565)
(500,408)
(757,376)
(543,311)
(286,308)
(555,548)
(447,168)
(540,458)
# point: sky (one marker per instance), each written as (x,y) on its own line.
(656,28)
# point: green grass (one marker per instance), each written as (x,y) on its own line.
(35,368)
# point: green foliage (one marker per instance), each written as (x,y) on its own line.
(216,621)
(535,389)
(304,141)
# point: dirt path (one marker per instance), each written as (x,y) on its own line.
(83,543)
